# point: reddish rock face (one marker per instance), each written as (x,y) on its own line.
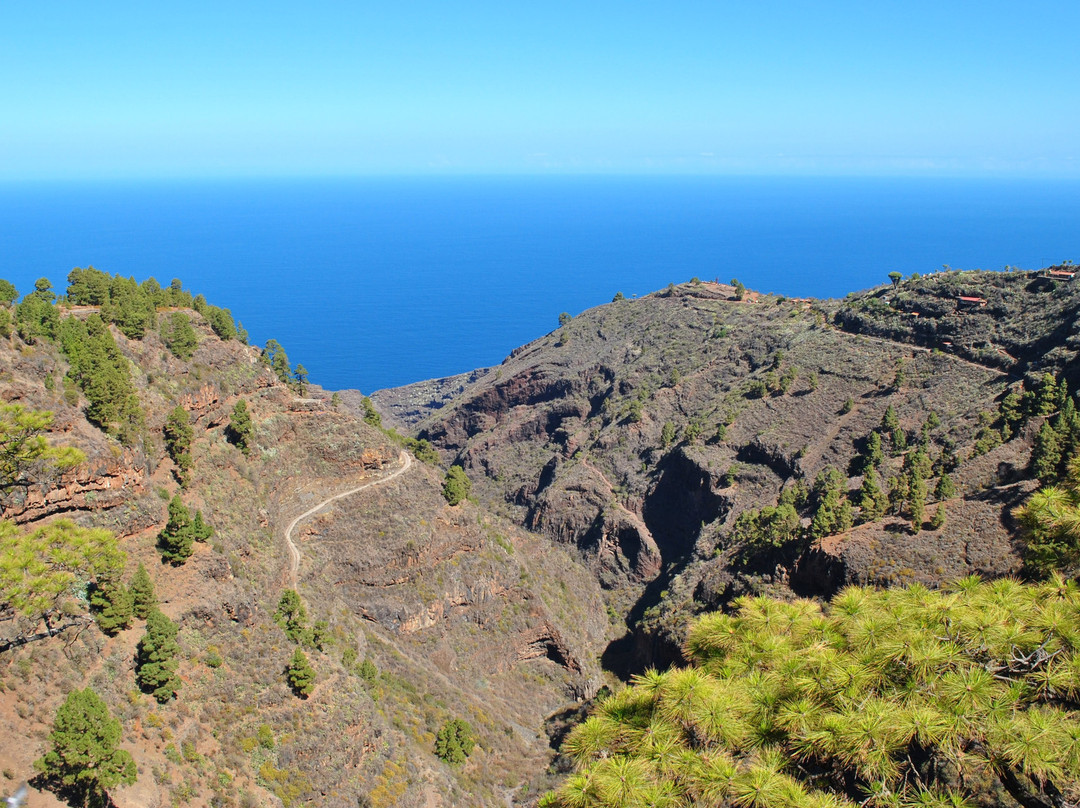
(93,486)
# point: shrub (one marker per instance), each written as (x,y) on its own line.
(456,485)
(455,741)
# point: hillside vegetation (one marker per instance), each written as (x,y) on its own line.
(796,528)
(706,442)
(151,463)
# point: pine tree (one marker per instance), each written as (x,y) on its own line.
(869,700)
(832,512)
(456,485)
(112,605)
(200,531)
(1050,525)
(241,430)
(1012,410)
(1048,398)
(176,540)
(872,500)
(1067,425)
(890,421)
(938,520)
(917,502)
(945,489)
(25,452)
(222,323)
(291,615)
(178,435)
(129,308)
(103,375)
(143,599)
(155,660)
(88,287)
(1046,454)
(300,675)
(455,741)
(41,573)
(84,756)
(36,317)
(278,360)
(874,456)
(178,335)
(899,488)
(371,415)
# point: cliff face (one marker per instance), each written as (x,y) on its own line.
(640,432)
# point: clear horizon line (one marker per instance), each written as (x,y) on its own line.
(429,175)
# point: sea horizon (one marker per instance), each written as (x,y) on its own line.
(374,282)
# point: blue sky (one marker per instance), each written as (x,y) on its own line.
(127,90)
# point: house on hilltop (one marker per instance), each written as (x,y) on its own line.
(964,303)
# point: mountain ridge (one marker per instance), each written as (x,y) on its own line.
(626,469)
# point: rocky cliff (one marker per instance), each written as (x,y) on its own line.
(639,432)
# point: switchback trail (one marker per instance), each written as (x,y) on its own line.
(294,551)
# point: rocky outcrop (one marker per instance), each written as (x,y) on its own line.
(545,642)
(93,486)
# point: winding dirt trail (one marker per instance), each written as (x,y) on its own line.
(294,551)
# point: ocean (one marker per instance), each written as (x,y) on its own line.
(373,283)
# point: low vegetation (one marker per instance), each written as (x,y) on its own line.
(881,698)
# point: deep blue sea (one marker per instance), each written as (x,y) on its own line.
(372,283)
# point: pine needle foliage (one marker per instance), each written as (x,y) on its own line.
(888,699)
(241,429)
(156,658)
(455,741)
(1050,525)
(44,573)
(84,758)
(25,452)
(143,599)
(300,675)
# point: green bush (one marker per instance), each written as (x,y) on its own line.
(456,485)
(455,741)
